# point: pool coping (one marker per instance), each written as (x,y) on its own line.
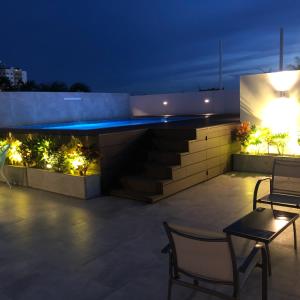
(202,121)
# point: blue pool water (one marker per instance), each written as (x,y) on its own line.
(92,125)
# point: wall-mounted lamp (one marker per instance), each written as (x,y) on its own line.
(206,100)
(72,98)
(283,94)
(283,81)
(165,103)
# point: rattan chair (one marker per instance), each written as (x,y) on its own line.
(3,154)
(199,256)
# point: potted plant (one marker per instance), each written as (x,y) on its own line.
(65,169)
(14,169)
(259,148)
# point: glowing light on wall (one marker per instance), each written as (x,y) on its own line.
(206,100)
(283,81)
(282,116)
(165,103)
(271,102)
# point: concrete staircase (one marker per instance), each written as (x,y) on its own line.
(179,159)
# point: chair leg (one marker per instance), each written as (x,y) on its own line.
(4,177)
(265,276)
(268,259)
(170,289)
(295,235)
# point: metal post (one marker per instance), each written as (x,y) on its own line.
(220,65)
(281,50)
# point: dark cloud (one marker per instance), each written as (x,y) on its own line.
(146,46)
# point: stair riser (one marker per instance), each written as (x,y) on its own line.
(148,187)
(158,172)
(165,158)
(177,134)
(185,183)
(190,181)
(189,170)
(179,159)
(179,146)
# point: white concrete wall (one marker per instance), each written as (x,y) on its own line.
(272,100)
(22,108)
(258,91)
(186,103)
(25,108)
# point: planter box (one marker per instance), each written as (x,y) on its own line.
(83,187)
(16,175)
(255,163)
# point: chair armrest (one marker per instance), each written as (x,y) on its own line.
(244,267)
(258,183)
(166,249)
(249,260)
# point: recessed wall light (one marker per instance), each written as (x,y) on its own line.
(165,103)
(72,98)
(206,100)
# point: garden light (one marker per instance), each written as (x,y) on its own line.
(44,153)
(77,162)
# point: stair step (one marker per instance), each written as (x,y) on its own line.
(168,187)
(130,194)
(174,186)
(142,184)
(177,134)
(171,145)
(177,172)
(182,157)
(182,172)
(165,158)
(158,171)
(191,146)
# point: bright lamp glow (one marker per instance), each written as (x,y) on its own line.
(165,103)
(206,100)
(14,152)
(282,116)
(77,162)
(284,80)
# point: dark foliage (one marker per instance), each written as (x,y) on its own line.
(5,84)
(79,87)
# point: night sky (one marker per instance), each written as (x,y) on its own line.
(146,46)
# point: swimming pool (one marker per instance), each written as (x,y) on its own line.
(106,124)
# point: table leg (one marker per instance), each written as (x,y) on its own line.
(295,235)
(264,275)
(268,258)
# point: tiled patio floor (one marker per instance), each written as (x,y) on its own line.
(55,247)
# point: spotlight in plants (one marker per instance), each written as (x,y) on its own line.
(262,140)
(45,153)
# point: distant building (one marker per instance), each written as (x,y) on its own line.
(15,75)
